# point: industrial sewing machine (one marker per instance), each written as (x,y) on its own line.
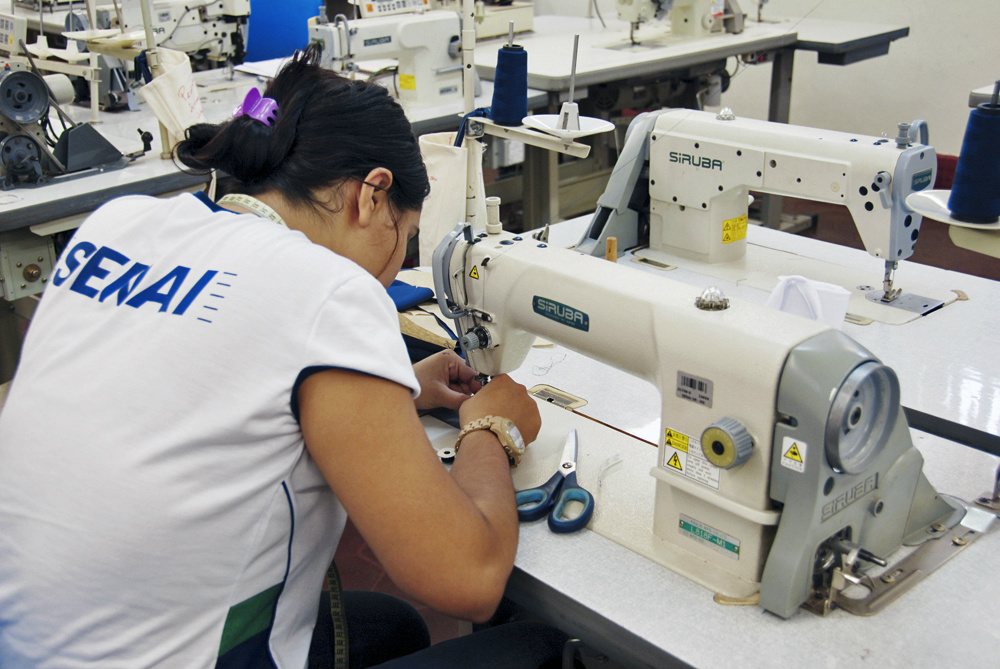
(785,464)
(682,185)
(688,18)
(427,46)
(209,33)
(32,153)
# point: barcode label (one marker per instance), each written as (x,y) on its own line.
(694,389)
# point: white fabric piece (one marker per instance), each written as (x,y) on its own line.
(152,473)
(818,300)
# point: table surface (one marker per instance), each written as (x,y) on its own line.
(605,53)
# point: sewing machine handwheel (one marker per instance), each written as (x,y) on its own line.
(862,416)
(24,97)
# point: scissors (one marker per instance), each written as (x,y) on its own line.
(559,490)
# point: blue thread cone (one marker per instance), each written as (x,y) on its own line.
(510,86)
(975,193)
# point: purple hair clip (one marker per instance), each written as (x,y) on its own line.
(256,107)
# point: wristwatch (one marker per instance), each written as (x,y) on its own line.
(504,429)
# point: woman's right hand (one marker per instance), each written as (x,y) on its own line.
(504,397)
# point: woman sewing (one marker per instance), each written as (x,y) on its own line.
(207,392)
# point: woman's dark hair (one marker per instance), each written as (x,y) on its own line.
(328,129)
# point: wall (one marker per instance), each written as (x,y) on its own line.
(277,28)
(952,49)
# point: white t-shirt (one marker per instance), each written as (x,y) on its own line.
(158,507)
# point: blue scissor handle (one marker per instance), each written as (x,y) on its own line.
(571,492)
(538,501)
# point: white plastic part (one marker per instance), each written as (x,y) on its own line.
(493,225)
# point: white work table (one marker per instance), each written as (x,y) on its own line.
(605,53)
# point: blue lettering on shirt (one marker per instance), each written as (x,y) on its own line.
(72,262)
(107,273)
(172,281)
(125,284)
(93,269)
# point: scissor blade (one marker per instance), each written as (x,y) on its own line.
(570,448)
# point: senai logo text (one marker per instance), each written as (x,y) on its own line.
(105,274)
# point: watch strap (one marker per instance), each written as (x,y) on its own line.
(493,424)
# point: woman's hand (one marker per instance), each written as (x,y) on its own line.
(505,397)
(445,381)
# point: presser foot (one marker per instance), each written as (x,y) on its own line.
(866,595)
(905,301)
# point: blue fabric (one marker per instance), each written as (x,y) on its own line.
(405,296)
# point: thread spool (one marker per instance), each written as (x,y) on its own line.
(61,87)
(510,84)
(975,192)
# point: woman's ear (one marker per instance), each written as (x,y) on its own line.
(372,194)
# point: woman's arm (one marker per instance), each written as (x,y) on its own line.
(446,540)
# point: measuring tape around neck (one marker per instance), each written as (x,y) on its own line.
(254,205)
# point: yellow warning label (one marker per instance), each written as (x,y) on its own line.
(677,440)
(734,229)
(475,272)
(675,462)
(408,82)
(793,453)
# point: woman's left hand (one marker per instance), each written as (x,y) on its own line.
(445,381)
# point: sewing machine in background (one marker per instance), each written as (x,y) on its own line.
(785,465)
(210,33)
(682,184)
(689,19)
(427,46)
(493,17)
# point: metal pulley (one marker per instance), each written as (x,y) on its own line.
(24,97)
(862,415)
(21,157)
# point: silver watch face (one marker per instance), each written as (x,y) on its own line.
(514,434)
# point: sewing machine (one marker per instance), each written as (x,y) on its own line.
(427,46)
(785,464)
(689,19)
(682,185)
(208,32)
(493,17)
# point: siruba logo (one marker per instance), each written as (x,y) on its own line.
(560,313)
(695,161)
(850,496)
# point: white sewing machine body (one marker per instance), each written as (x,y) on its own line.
(689,19)
(683,180)
(784,396)
(425,44)
(216,31)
